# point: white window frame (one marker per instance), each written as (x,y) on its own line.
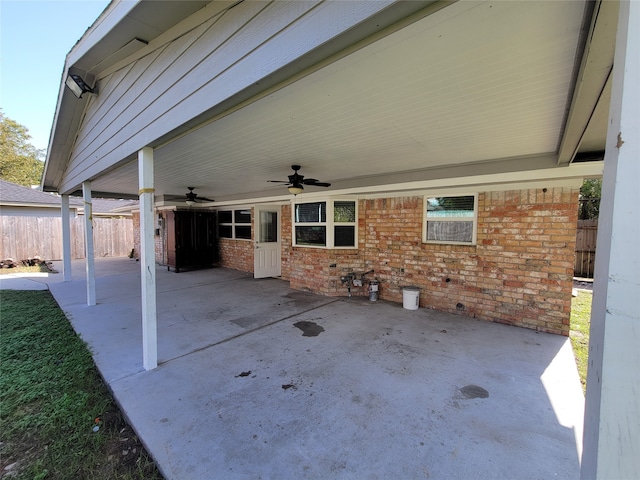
(233,224)
(426,219)
(329,225)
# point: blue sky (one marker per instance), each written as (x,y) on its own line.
(35,37)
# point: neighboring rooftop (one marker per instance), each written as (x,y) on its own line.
(18,195)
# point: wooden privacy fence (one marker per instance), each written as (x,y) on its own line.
(26,237)
(585,248)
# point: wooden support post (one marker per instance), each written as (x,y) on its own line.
(66,239)
(88,243)
(612,416)
(147,259)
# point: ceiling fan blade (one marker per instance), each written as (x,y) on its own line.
(278,181)
(318,184)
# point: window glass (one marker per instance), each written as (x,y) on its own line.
(450,231)
(242,216)
(225,216)
(313,228)
(451,206)
(316,236)
(243,231)
(268,226)
(225,231)
(344,236)
(234,224)
(344,212)
(311,212)
(451,219)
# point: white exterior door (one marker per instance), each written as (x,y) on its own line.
(266,258)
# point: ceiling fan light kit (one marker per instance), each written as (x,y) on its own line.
(296,181)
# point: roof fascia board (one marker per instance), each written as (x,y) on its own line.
(594,73)
(38,205)
(112,16)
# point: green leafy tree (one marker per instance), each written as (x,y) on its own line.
(20,161)
(590,193)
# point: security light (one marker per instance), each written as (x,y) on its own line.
(77,85)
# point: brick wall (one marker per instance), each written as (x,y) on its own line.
(236,254)
(519,273)
(286,241)
(158,240)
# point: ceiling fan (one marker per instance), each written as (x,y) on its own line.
(190,198)
(296,181)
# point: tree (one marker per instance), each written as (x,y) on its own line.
(590,193)
(20,161)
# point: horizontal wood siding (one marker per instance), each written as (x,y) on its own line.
(27,237)
(198,71)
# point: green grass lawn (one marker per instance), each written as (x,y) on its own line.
(580,321)
(52,399)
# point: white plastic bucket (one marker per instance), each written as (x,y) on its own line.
(410,298)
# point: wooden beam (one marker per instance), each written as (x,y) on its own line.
(147,260)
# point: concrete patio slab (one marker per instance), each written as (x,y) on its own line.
(244,390)
(23,281)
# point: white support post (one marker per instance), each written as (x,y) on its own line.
(88,243)
(612,409)
(147,259)
(66,239)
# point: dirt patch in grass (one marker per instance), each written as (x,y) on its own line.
(42,268)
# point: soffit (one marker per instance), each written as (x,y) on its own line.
(472,83)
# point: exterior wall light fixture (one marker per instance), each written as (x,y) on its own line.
(77,85)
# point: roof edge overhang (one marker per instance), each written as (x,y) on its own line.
(69,111)
(593,77)
(87,60)
(36,205)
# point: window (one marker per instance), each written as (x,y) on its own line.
(235,224)
(451,219)
(330,224)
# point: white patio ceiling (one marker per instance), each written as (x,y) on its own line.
(469,84)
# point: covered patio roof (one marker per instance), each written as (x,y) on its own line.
(484,88)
